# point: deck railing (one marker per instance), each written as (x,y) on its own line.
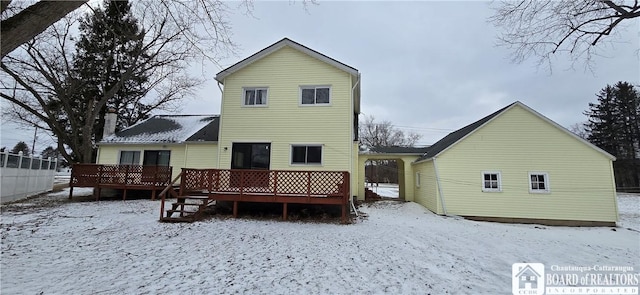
(266,186)
(119,177)
(267,182)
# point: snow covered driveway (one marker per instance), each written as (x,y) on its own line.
(115,247)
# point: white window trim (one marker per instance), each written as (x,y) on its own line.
(491,190)
(139,157)
(418,179)
(244,91)
(314,87)
(547,185)
(307,145)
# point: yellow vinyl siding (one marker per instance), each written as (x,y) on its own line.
(109,154)
(427,193)
(518,142)
(283,121)
(201,155)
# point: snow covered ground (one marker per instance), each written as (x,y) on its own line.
(386,190)
(50,246)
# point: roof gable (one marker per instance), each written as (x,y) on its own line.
(277,46)
(169,129)
(453,138)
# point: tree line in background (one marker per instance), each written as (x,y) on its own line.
(614,126)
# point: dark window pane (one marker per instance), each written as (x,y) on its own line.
(298,154)
(260,156)
(308,96)
(322,95)
(44,165)
(2,159)
(487,177)
(157,158)
(249,97)
(261,96)
(314,154)
(129,158)
(541,185)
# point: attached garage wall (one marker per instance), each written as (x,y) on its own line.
(518,142)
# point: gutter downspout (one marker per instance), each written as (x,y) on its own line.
(435,167)
(353,206)
(220,126)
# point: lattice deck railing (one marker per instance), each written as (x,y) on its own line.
(90,175)
(267,182)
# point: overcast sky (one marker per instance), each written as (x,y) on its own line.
(428,67)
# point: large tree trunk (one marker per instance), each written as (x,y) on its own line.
(32,21)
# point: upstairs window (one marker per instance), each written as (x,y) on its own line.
(255,96)
(491,181)
(538,182)
(306,154)
(315,95)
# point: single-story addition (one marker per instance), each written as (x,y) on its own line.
(147,154)
(179,141)
(516,165)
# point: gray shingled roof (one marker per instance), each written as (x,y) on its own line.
(398,150)
(457,135)
(169,129)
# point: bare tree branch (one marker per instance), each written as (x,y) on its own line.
(32,21)
(539,29)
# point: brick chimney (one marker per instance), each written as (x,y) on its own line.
(109,122)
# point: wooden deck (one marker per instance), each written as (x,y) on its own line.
(266,186)
(125,177)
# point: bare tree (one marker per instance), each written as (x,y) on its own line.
(374,134)
(39,80)
(202,22)
(541,28)
(31,21)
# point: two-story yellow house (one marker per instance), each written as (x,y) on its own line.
(289,107)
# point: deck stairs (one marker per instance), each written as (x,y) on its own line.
(188,208)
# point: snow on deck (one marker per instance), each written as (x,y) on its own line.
(116,247)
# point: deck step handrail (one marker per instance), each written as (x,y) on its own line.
(163,193)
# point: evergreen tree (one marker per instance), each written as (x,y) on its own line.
(614,125)
(21,147)
(110,44)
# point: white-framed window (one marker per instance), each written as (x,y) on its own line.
(491,181)
(129,158)
(254,96)
(539,182)
(302,154)
(315,95)
(417,179)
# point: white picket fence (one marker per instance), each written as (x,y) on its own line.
(24,176)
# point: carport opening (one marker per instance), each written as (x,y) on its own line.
(384,178)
